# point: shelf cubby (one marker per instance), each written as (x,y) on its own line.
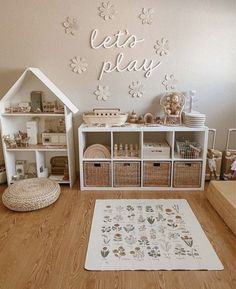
(192,137)
(131,140)
(159,137)
(29,159)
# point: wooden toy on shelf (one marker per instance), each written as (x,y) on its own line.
(11,109)
(126,151)
(22,140)
(53,107)
(133,117)
(24,107)
(10,142)
(229,158)
(108,117)
(214,159)
(59,166)
(49,106)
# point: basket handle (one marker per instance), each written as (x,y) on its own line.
(228,137)
(213,131)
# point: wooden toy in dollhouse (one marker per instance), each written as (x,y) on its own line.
(52,107)
(20,139)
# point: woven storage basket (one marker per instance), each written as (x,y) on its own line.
(126,174)
(187,174)
(156,174)
(97,174)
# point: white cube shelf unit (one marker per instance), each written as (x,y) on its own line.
(38,155)
(167,171)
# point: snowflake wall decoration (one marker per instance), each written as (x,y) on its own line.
(70,25)
(146,16)
(102,92)
(162,47)
(107,10)
(136,89)
(169,82)
(78,64)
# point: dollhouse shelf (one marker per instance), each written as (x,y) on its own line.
(142,172)
(17,114)
(65,182)
(39,148)
(36,156)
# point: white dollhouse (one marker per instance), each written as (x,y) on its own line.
(36,157)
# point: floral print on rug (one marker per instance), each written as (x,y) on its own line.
(148,235)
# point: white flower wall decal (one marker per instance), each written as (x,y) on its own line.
(169,82)
(78,64)
(146,16)
(162,47)
(70,25)
(102,92)
(136,89)
(107,10)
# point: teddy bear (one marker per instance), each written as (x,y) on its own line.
(173,106)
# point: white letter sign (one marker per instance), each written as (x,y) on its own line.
(121,40)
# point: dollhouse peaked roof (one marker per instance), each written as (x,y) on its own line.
(47,82)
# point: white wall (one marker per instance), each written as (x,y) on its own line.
(202,52)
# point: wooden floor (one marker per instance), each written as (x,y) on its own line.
(46,249)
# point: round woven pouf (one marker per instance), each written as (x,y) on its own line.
(31,194)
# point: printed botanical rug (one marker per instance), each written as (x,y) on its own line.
(148,235)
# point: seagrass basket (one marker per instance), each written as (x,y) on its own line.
(126,174)
(97,174)
(156,174)
(187,174)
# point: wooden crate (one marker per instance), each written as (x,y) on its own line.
(126,174)
(156,174)
(156,150)
(187,174)
(97,174)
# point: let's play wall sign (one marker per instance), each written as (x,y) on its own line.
(121,40)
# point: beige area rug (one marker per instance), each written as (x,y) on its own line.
(148,235)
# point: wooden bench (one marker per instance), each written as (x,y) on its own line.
(222,196)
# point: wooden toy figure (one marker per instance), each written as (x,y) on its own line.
(233,169)
(212,164)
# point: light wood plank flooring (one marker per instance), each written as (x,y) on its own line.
(46,249)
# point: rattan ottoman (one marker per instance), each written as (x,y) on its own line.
(31,194)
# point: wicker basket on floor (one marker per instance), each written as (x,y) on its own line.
(126,174)
(156,174)
(97,174)
(187,174)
